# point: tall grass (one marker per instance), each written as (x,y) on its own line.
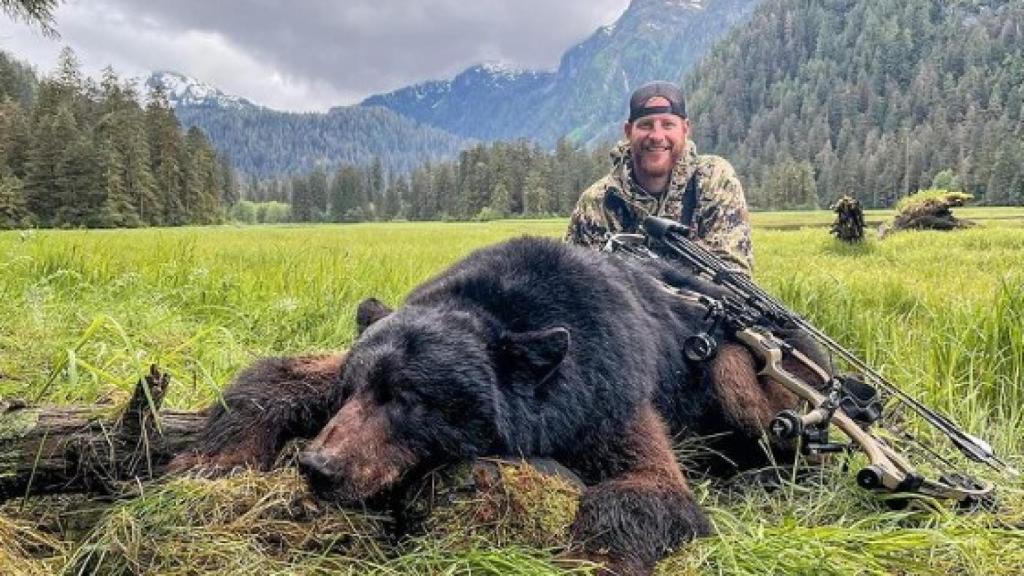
(83,312)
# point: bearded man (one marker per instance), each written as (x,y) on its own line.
(657,172)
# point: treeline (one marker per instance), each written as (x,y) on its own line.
(77,153)
(813,99)
(500,180)
(270,142)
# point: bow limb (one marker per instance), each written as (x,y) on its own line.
(888,469)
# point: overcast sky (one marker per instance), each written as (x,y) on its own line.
(310,55)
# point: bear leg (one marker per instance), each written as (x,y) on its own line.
(748,401)
(643,508)
(268,404)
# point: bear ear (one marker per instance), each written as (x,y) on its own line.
(369,311)
(536,354)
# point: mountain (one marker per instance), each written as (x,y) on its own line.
(183,91)
(872,98)
(264,142)
(481,102)
(585,97)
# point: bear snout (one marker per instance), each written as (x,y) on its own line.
(315,469)
(353,481)
(356,456)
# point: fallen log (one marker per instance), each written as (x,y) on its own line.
(52,450)
(931,211)
(96,449)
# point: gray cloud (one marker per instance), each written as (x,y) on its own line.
(317,53)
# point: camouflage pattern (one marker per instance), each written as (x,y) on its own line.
(616,203)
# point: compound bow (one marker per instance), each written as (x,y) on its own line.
(752,316)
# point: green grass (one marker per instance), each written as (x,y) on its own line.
(822,218)
(82,313)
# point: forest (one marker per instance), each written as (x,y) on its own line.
(486,182)
(811,100)
(77,153)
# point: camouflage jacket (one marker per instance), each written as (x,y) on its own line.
(616,203)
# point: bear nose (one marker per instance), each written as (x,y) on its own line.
(315,468)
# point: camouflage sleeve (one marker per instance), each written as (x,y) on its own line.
(588,225)
(723,221)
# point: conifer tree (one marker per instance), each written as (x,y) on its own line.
(12,203)
(402,193)
(78,184)
(499,199)
(166,150)
(230,193)
(442,187)
(202,180)
(375,185)
(35,12)
(302,203)
(392,205)
(536,196)
(347,195)
(318,193)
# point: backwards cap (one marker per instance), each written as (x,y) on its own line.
(637,102)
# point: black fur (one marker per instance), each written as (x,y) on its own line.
(529,348)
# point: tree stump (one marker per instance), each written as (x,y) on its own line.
(849,223)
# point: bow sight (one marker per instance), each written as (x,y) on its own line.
(854,405)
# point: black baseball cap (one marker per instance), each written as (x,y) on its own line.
(667,90)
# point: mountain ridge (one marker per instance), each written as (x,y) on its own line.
(264,142)
(182,90)
(584,97)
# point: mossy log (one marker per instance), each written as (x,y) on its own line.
(931,210)
(51,450)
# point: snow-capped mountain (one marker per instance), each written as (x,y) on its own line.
(266,142)
(183,91)
(457,105)
(585,97)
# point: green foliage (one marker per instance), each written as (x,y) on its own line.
(12,202)
(88,156)
(790,184)
(879,97)
(18,81)
(243,212)
(932,197)
(348,194)
(35,12)
(488,214)
(273,212)
(945,180)
(270,143)
(499,180)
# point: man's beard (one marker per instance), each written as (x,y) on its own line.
(657,163)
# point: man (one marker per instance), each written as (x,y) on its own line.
(657,172)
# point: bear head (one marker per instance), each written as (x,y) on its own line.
(421,387)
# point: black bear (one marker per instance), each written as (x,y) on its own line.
(530,348)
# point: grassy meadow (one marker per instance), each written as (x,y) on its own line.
(83,313)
